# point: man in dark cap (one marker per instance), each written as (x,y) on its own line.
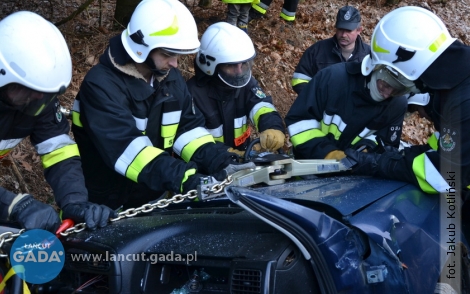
(345,46)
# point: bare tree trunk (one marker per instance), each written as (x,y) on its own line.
(124,10)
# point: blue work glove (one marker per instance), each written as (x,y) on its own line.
(33,214)
(94,215)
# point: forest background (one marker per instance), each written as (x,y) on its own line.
(88,25)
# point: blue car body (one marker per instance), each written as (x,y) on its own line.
(338,234)
(375,235)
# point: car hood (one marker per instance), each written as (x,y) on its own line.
(345,194)
(403,225)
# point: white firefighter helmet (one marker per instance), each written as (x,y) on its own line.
(230,48)
(166,24)
(35,63)
(408,39)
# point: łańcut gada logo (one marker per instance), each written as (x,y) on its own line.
(38,255)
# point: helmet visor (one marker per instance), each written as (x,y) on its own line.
(236,75)
(180,51)
(24,99)
(392,82)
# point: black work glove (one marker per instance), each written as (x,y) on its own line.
(192,182)
(372,164)
(33,214)
(94,215)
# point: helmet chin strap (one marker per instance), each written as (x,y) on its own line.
(154,69)
(372,85)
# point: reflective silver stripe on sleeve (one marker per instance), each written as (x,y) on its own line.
(257,107)
(132,150)
(301,76)
(53,143)
(239,122)
(170,118)
(433,176)
(9,144)
(218,132)
(187,137)
(76,106)
(366,134)
(141,123)
(302,126)
(336,120)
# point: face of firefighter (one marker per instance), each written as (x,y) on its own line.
(385,90)
(164,60)
(25,99)
(346,38)
(236,75)
(386,82)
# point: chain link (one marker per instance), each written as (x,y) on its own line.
(131,212)
(219,187)
(7,237)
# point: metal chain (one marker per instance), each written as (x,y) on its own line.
(131,212)
(219,187)
(7,237)
(149,207)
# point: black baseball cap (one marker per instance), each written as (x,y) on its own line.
(348,18)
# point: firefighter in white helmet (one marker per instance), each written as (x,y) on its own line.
(227,93)
(35,67)
(343,107)
(416,43)
(134,120)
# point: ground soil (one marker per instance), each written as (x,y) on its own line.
(279,46)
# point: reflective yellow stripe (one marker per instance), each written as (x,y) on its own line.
(59,155)
(333,129)
(357,139)
(295,82)
(17,269)
(4,152)
(76,114)
(239,131)
(185,139)
(141,160)
(365,134)
(420,173)
(377,48)
(187,174)
(130,153)
(258,8)
(287,17)
(169,131)
(303,137)
(302,126)
(169,31)
(433,141)
(217,133)
(259,113)
(189,149)
(333,124)
(76,119)
(429,178)
(438,42)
